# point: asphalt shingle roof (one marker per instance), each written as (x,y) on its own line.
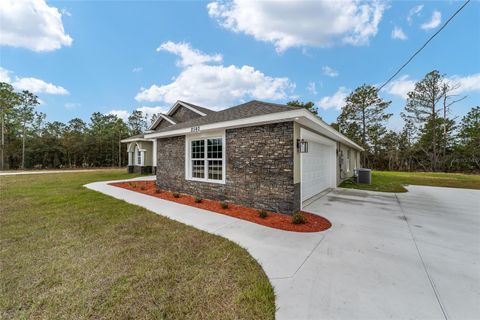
(246,110)
(201,109)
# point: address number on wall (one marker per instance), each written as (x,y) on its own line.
(195,129)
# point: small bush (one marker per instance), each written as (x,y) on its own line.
(298,218)
(224,205)
(176,195)
(198,199)
(262,214)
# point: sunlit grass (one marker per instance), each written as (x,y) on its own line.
(71,253)
(394,181)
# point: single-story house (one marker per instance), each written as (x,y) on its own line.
(258,154)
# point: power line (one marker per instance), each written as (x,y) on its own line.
(424,45)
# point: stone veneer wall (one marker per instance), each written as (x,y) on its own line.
(183,114)
(259,171)
(163,124)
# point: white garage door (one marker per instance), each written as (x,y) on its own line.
(318,165)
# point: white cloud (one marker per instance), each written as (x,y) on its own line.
(72,105)
(188,55)
(38,86)
(31,84)
(290,24)
(122,114)
(148,111)
(312,87)
(152,110)
(414,12)
(466,84)
(337,100)
(434,22)
(404,85)
(215,86)
(397,33)
(5,75)
(328,71)
(137,69)
(32,24)
(400,87)
(65,12)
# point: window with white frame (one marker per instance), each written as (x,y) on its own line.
(206,159)
(138,156)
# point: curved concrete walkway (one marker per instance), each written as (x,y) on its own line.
(386,256)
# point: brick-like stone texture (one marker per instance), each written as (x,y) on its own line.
(163,124)
(183,114)
(259,171)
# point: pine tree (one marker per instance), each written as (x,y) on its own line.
(310,106)
(422,108)
(26,112)
(363,117)
(8,99)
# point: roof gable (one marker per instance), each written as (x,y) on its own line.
(245,110)
(162,122)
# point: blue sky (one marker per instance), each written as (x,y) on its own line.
(117,56)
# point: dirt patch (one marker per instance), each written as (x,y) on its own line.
(314,223)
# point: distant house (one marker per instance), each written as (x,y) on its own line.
(262,155)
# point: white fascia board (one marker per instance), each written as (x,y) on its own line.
(167,118)
(161,116)
(257,120)
(180,103)
(135,140)
(337,136)
(302,116)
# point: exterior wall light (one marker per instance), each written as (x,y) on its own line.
(302,146)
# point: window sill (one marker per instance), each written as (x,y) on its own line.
(206,180)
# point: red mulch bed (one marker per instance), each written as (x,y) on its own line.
(274,220)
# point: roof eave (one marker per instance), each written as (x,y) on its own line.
(293,115)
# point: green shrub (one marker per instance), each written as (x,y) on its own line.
(298,218)
(176,195)
(262,214)
(224,205)
(198,199)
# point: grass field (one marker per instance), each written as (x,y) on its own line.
(67,252)
(394,181)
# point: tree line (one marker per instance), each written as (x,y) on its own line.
(28,141)
(430,140)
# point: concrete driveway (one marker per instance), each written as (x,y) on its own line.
(414,255)
(407,256)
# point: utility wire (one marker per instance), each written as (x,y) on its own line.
(422,47)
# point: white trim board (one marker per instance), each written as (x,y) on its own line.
(161,117)
(302,116)
(181,103)
(188,139)
(127,140)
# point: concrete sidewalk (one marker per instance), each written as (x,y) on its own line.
(383,258)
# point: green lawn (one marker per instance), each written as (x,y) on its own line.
(394,181)
(67,252)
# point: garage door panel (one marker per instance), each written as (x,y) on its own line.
(317,169)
